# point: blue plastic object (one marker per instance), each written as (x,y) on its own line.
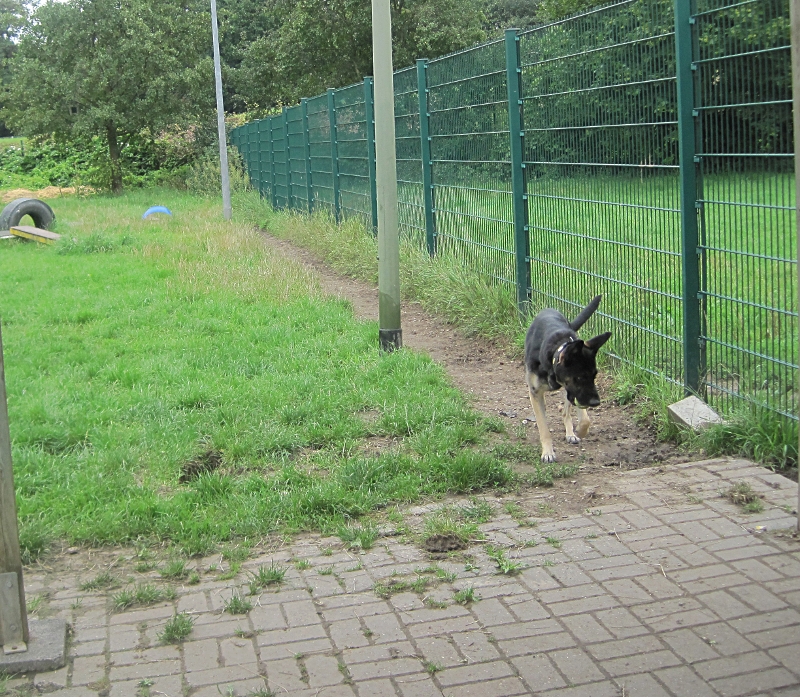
(156,209)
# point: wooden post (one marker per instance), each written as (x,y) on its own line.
(13,614)
(794,10)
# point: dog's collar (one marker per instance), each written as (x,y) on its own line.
(560,350)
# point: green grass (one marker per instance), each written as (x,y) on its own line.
(133,347)
(177,629)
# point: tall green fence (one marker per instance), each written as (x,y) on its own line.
(642,150)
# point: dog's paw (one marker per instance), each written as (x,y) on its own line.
(548,456)
(573,439)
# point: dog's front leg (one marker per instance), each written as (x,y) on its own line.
(568,427)
(537,402)
(583,422)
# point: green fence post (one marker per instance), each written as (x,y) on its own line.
(273,193)
(425,154)
(263,154)
(288,158)
(334,155)
(519,196)
(369,117)
(307,153)
(693,350)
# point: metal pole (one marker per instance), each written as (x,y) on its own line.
(13,613)
(223,140)
(794,10)
(337,203)
(522,253)
(425,154)
(391,335)
(693,367)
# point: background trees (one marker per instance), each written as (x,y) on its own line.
(110,68)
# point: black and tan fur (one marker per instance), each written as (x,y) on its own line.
(555,357)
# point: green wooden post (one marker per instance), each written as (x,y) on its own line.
(369,116)
(288,158)
(272,170)
(693,350)
(425,154)
(307,153)
(520,197)
(334,155)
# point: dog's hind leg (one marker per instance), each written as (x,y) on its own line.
(583,422)
(536,394)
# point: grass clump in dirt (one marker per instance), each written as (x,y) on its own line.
(103,581)
(142,594)
(742,494)
(504,564)
(237,605)
(447,530)
(177,629)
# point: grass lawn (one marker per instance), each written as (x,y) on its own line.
(136,350)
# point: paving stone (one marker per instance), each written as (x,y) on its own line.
(438,650)
(537,644)
(689,646)
(576,666)
(525,608)
(384,669)
(758,598)
(724,639)
(384,627)
(640,663)
(684,682)
(539,672)
(88,669)
(621,623)
(491,612)
(586,629)
(606,688)
(323,671)
(475,647)
(772,638)
(239,688)
(415,686)
(625,647)
(237,651)
(787,656)
(504,687)
(766,620)
(641,686)
(743,663)
(724,605)
(763,680)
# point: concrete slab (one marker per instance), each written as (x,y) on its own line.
(47,649)
(693,412)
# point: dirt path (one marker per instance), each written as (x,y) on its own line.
(496,381)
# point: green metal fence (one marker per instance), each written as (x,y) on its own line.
(643,150)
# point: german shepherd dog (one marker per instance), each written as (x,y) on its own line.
(555,357)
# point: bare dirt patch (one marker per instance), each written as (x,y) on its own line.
(46,192)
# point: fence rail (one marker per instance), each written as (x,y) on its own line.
(643,150)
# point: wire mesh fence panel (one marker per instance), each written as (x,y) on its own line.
(599,105)
(351,140)
(319,137)
(748,240)
(470,156)
(280,152)
(410,207)
(296,149)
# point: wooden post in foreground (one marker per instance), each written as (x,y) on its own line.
(13,614)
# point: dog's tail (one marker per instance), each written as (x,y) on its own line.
(585,313)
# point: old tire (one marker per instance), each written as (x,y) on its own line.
(15,211)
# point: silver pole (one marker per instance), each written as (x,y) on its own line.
(391,335)
(223,138)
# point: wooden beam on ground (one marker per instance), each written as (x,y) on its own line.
(34,233)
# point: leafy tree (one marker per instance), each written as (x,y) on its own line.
(113,68)
(314,44)
(12,19)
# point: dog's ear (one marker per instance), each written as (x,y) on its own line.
(571,349)
(596,342)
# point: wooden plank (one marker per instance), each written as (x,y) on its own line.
(10,560)
(34,233)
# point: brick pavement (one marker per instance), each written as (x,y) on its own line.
(669,591)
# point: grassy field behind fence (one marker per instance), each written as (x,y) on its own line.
(137,350)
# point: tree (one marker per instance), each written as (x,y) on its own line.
(12,19)
(112,68)
(315,44)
